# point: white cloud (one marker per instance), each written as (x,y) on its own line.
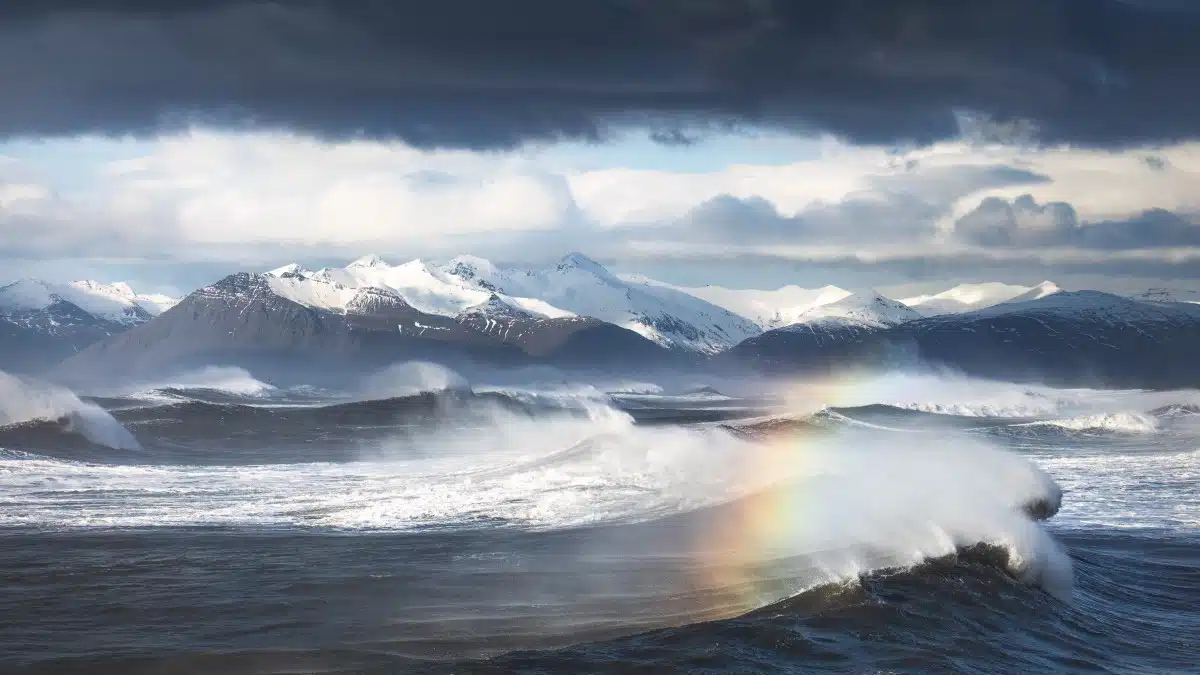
(221,189)
(15,196)
(214,196)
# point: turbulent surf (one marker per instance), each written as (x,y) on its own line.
(418,522)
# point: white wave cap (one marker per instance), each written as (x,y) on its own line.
(222,379)
(23,400)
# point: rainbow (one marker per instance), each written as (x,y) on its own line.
(747,557)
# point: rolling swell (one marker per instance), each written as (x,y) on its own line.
(953,614)
(331,431)
(868,538)
(213,429)
(59,434)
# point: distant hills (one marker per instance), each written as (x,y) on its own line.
(42,323)
(576,312)
(1084,338)
(968,297)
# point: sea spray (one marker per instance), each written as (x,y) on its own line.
(25,400)
(410,378)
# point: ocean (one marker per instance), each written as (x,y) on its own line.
(899,524)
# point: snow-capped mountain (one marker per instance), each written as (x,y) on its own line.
(577,312)
(968,297)
(293,321)
(1042,290)
(106,302)
(43,322)
(583,287)
(1086,305)
(574,287)
(767,309)
(1084,338)
(426,288)
(865,310)
(828,335)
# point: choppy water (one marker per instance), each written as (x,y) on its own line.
(910,525)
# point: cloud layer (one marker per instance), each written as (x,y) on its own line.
(481,74)
(1025,223)
(253,200)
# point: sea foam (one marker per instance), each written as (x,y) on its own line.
(25,400)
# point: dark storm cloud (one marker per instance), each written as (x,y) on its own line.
(1027,224)
(483,74)
(871,217)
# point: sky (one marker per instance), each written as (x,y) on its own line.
(905,145)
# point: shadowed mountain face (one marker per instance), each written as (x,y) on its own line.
(1084,338)
(33,340)
(241,321)
(41,322)
(575,339)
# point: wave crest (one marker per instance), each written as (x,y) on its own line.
(24,401)
(411,378)
(1122,423)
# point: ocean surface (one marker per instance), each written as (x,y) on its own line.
(421,524)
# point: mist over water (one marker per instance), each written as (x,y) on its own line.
(417,515)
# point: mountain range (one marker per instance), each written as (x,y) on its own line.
(42,323)
(1083,338)
(576,312)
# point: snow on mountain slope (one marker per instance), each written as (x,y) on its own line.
(579,284)
(767,309)
(290,270)
(864,310)
(1042,290)
(26,295)
(115,295)
(426,288)
(108,302)
(316,293)
(967,297)
(497,307)
(1093,306)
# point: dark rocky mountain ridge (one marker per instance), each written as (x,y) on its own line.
(240,320)
(1086,338)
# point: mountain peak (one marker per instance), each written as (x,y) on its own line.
(1042,290)
(27,294)
(470,261)
(369,260)
(289,270)
(580,261)
(494,304)
(868,308)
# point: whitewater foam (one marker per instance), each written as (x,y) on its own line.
(870,502)
(1122,422)
(221,379)
(1132,489)
(410,378)
(941,393)
(23,400)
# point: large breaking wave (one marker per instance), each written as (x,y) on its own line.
(834,504)
(769,503)
(25,402)
(577,508)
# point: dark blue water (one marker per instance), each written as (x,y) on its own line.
(184,557)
